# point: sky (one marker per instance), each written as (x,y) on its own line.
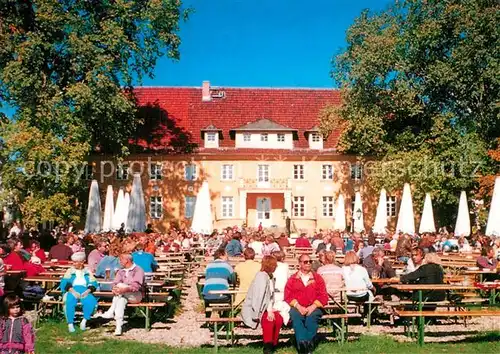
(261,43)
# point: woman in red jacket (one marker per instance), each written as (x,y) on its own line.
(306,294)
(17,261)
(36,251)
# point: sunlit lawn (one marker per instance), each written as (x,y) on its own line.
(53,338)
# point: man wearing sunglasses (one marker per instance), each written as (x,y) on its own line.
(306,293)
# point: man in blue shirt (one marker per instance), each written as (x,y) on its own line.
(143,259)
(218,275)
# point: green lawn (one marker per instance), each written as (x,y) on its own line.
(53,338)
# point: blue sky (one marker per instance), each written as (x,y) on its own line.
(259,43)
(263,43)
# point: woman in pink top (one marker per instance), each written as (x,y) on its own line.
(332,274)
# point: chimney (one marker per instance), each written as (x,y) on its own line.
(205,91)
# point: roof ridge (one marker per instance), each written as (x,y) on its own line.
(244,88)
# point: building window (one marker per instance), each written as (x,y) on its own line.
(155,207)
(210,137)
(327,172)
(263,137)
(299,206)
(155,172)
(281,138)
(189,206)
(227,172)
(328,206)
(247,137)
(227,207)
(190,172)
(356,171)
(122,172)
(298,171)
(88,172)
(315,137)
(263,173)
(391,206)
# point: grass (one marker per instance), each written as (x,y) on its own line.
(53,338)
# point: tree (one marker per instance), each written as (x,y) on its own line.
(69,68)
(421,90)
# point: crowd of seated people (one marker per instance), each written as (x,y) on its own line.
(306,291)
(116,262)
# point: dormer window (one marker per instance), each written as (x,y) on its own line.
(264,134)
(210,137)
(314,138)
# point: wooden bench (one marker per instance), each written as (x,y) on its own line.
(459,313)
(472,313)
(342,328)
(143,307)
(216,321)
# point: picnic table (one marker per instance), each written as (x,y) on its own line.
(231,293)
(420,288)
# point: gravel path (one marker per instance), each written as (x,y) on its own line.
(183,330)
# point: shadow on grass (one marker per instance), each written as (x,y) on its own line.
(482,338)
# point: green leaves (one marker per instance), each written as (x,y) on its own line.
(421,94)
(69,66)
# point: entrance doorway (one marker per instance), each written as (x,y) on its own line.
(264,212)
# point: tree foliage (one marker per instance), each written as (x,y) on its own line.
(421,90)
(68,66)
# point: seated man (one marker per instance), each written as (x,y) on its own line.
(246,272)
(127,287)
(487,259)
(430,272)
(488,262)
(306,294)
(376,264)
(144,259)
(61,251)
(77,286)
(218,275)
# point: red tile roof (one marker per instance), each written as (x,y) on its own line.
(184,112)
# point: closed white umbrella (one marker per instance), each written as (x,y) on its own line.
(427,220)
(118,214)
(359,225)
(93,220)
(340,223)
(462,226)
(108,210)
(380,225)
(136,219)
(202,215)
(406,220)
(126,206)
(493,226)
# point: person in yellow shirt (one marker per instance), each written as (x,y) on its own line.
(246,271)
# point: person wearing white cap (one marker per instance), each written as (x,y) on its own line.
(77,286)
